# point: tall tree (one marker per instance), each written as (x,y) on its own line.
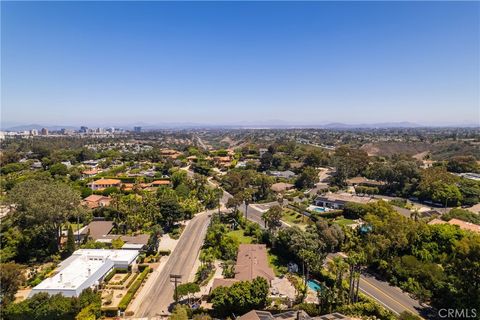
(70,246)
(272,217)
(43,206)
(11,277)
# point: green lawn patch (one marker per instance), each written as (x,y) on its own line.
(277,263)
(295,219)
(344,222)
(240,236)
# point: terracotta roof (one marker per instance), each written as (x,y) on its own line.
(465,225)
(90,172)
(106,182)
(223,159)
(437,221)
(94,201)
(95,198)
(457,222)
(252,262)
(160,182)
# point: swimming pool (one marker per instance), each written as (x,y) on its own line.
(318,209)
(314,285)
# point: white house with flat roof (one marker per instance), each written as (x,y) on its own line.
(85,268)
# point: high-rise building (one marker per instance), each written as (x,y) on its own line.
(44,132)
(137,129)
(83,129)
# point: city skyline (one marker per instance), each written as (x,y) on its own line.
(240,63)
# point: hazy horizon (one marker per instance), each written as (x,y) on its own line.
(217,63)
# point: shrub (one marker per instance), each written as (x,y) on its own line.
(110,311)
(129,283)
(142,267)
(133,289)
(310,308)
(164,252)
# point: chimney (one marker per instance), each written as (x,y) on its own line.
(61,277)
(89,272)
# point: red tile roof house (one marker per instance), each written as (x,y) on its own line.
(462,224)
(104,183)
(96,201)
(252,262)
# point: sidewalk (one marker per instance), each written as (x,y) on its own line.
(166,243)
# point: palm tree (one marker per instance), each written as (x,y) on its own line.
(247,196)
(415,214)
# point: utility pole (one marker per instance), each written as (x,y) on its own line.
(78,228)
(175,278)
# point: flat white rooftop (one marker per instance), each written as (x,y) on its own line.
(85,268)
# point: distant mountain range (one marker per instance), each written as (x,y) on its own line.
(243,125)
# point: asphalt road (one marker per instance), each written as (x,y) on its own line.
(181,261)
(390,297)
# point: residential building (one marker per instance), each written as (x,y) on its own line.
(287,174)
(158,183)
(222,161)
(90,173)
(99,231)
(94,201)
(281,187)
(362,181)
(85,268)
(68,164)
(338,200)
(460,223)
(104,183)
(170,153)
(252,262)
(289,315)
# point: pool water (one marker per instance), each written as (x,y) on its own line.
(319,209)
(314,285)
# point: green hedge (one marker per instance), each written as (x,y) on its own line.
(142,267)
(110,311)
(114,272)
(110,275)
(129,283)
(133,289)
(164,252)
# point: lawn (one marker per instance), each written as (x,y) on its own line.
(294,218)
(344,222)
(240,236)
(279,264)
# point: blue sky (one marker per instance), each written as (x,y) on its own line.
(223,62)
